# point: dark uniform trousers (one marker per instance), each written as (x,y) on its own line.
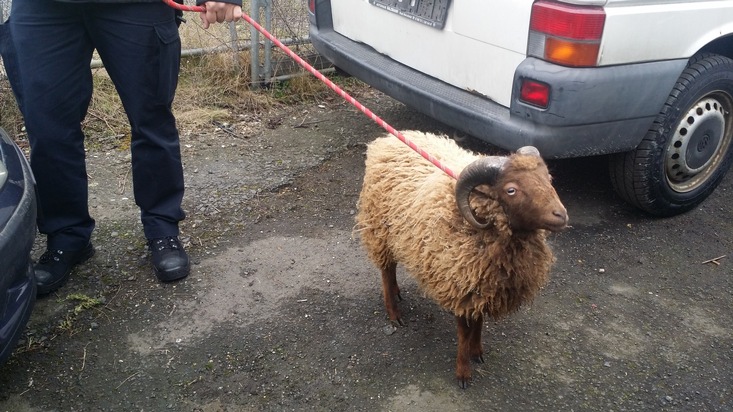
(140,48)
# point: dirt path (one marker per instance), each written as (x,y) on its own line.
(283,311)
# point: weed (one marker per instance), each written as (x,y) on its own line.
(83,303)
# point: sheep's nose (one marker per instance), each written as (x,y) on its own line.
(561,214)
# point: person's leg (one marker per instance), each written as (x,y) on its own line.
(140,48)
(53,54)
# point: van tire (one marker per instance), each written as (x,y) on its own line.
(687,151)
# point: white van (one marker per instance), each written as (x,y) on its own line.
(648,82)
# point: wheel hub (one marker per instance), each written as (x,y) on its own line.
(695,144)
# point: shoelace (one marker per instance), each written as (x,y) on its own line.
(170,242)
(49,255)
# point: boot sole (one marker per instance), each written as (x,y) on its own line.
(172,274)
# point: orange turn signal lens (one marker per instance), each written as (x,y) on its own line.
(571,53)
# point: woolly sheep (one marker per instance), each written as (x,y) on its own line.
(475,245)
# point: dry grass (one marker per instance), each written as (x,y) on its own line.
(10,118)
(213,87)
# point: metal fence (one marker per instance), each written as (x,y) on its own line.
(286,19)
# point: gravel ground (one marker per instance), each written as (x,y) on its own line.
(282,310)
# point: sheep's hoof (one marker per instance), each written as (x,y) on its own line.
(464,382)
(397,322)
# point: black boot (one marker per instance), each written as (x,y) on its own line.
(170,261)
(54,267)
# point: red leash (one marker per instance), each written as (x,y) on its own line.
(329,83)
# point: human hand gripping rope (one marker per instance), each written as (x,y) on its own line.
(329,83)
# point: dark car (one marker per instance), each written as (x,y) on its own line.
(17,233)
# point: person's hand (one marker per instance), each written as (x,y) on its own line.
(219,12)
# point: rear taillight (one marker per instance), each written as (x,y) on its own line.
(566,34)
(312,6)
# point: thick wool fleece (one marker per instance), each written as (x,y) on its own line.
(408,214)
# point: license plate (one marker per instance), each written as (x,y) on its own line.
(429,12)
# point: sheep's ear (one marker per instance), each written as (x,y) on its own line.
(483,190)
(484,171)
(528,151)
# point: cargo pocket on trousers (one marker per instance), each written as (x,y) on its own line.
(167,33)
(170,58)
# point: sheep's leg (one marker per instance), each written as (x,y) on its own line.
(469,331)
(476,349)
(391,293)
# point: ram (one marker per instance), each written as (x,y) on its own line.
(476,245)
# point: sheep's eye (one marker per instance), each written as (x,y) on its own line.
(511,191)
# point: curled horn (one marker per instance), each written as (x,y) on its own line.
(482,171)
